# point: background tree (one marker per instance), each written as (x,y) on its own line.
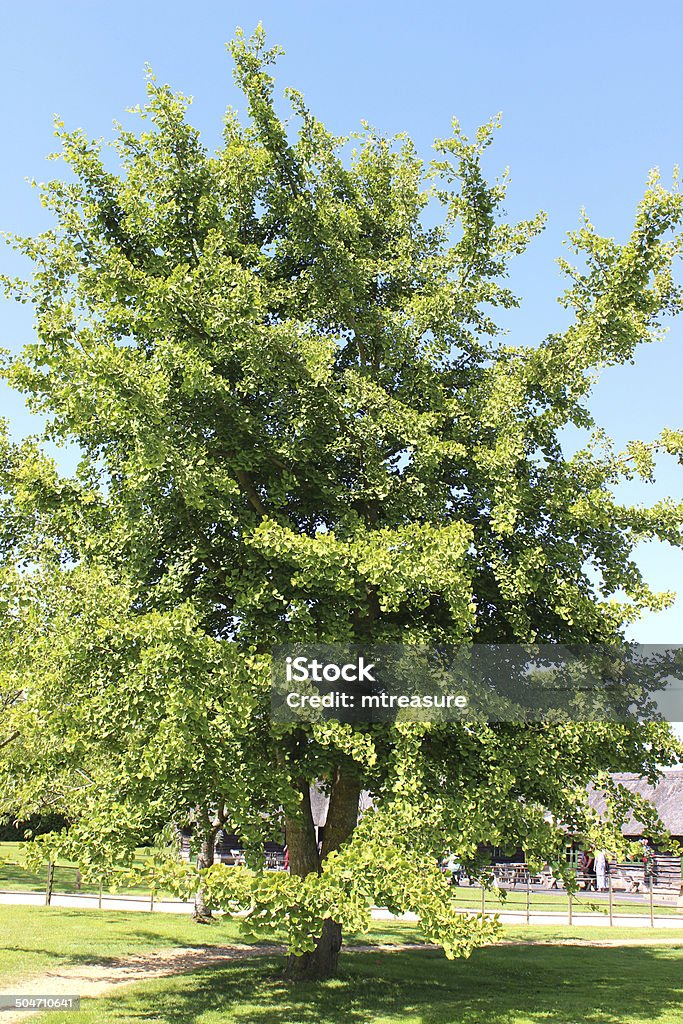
(300,423)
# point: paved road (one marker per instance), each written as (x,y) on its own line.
(91,902)
(557,919)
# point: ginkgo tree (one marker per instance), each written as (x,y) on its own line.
(299,422)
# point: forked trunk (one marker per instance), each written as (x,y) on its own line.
(342,817)
(301,844)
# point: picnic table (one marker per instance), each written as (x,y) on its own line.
(510,875)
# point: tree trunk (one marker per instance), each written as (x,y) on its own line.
(321,962)
(300,831)
(202,913)
(342,817)
(342,814)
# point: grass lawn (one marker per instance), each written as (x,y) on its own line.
(504,985)
(14,877)
(34,939)
(557,902)
(515,984)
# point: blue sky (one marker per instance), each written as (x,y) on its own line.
(591,96)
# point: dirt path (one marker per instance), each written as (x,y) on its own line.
(102,979)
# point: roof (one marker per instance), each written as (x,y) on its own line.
(666,795)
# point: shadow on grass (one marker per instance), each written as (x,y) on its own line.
(68,958)
(505,985)
(38,939)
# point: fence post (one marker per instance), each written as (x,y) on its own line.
(99,896)
(483,899)
(528,899)
(569,908)
(50,881)
(652,906)
(151,901)
(611,901)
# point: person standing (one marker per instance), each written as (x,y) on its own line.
(601,867)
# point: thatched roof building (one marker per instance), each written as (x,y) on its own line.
(666,796)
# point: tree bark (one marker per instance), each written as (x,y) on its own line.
(202,912)
(342,814)
(300,832)
(320,963)
(342,817)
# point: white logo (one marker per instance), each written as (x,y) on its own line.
(300,670)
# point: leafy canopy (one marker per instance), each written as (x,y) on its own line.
(299,421)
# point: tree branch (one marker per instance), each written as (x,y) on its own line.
(12,736)
(252,494)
